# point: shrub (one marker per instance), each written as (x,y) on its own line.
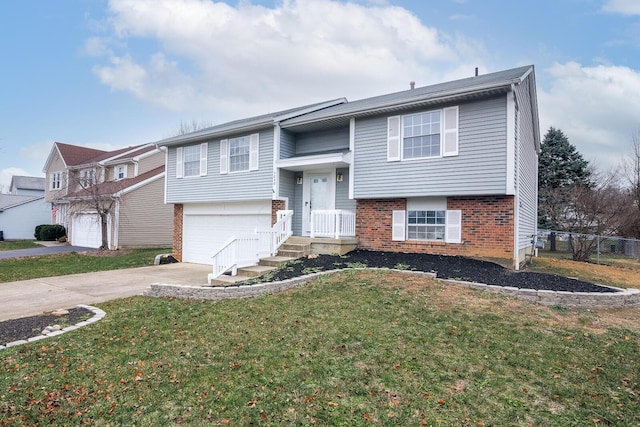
(49,232)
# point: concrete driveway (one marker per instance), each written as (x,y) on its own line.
(32,297)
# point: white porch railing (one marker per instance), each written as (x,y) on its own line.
(333,223)
(246,250)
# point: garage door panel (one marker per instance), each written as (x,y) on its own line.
(86,230)
(204,234)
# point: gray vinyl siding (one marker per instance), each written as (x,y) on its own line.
(287,144)
(144,219)
(249,185)
(478,169)
(289,189)
(527,169)
(322,141)
(342,192)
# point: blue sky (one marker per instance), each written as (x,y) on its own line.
(109,74)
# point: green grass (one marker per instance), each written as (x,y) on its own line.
(72,263)
(18,244)
(354,348)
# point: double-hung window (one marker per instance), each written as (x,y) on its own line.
(239,154)
(87,177)
(423,135)
(426,225)
(56,181)
(192,160)
(427,219)
(120,172)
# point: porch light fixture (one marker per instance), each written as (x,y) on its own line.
(298,180)
(339,177)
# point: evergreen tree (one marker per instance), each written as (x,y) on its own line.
(560,168)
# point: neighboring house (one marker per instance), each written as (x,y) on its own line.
(446,169)
(26,186)
(127,183)
(20,214)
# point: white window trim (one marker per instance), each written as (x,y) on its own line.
(55,177)
(453,227)
(116,173)
(204,150)
(254,154)
(449,131)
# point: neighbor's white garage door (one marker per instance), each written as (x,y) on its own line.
(86,230)
(206,228)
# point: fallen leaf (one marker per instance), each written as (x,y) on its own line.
(332,403)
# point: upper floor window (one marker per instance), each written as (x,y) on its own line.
(239,154)
(55,182)
(423,135)
(87,177)
(191,160)
(120,172)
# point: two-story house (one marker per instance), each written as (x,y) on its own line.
(446,169)
(125,186)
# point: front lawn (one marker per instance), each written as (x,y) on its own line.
(18,244)
(354,348)
(71,263)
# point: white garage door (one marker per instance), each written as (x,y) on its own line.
(204,233)
(86,230)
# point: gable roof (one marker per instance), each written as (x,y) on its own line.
(111,188)
(75,156)
(338,112)
(26,183)
(8,201)
(457,90)
(248,124)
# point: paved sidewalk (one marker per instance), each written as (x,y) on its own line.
(32,297)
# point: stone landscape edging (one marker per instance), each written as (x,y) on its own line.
(97,315)
(621,298)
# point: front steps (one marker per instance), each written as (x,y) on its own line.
(295,247)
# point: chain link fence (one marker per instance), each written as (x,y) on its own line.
(599,247)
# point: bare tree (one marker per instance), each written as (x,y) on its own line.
(631,173)
(193,126)
(592,211)
(88,190)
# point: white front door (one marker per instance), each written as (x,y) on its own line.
(319,194)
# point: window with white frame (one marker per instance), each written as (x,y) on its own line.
(427,219)
(55,181)
(120,172)
(192,160)
(87,177)
(426,225)
(421,135)
(239,154)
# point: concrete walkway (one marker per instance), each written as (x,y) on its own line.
(32,297)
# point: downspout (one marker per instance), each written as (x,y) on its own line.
(116,224)
(516,199)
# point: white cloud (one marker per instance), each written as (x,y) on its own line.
(625,7)
(7,174)
(247,59)
(596,107)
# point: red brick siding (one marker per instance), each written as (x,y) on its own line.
(276,205)
(487,227)
(178,216)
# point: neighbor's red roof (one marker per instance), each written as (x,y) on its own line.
(74,155)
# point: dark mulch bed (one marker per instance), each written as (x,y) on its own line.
(446,267)
(27,327)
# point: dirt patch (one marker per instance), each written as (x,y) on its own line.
(107,252)
(624,275)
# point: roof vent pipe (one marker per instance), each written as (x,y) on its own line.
(412,85)
(476,71)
